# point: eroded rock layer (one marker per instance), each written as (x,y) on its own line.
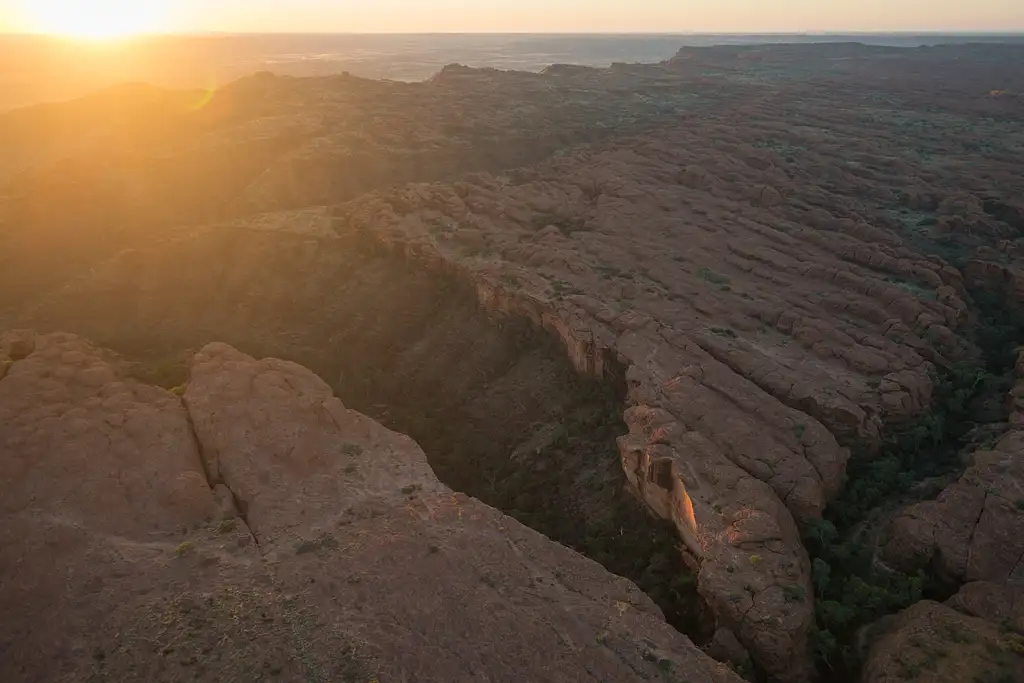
(933,643)
(495,403)
(767,255)
(124,557)
(974,529)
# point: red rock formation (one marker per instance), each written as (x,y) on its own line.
(752,270)
(1000,604)
(350,561)
(933,643)
(989,271)
(974,530)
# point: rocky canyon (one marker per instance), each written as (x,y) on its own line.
(704,370)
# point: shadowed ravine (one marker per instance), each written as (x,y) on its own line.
(493,401)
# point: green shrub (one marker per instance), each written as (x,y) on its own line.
(851,594)
(794,593)
(723,332)
(712,277)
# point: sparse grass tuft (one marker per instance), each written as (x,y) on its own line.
(1015,644)
(960,635)
(325,541)
(913,288)
(565,224)
(719,282)
(708,275)
(234,634)
(794,593)
(725,332)
(561,287)
(607,272)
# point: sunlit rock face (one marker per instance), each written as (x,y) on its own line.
(345,556)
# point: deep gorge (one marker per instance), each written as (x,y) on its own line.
(493,400)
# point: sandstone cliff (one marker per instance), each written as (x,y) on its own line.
(762,257)
(125,557)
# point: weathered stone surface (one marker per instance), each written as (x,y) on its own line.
(974,530)
(989,272)
(354,564)
(90,447)
(349,514)
(753,272)
(1000,604)
(725,647)
(931,642)
(737,383)
(105,519)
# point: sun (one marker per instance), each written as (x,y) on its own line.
(96,19)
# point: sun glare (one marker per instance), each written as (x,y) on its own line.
(96,19)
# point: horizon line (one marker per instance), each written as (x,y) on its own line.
(810,32)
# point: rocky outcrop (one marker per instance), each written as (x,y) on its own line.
(108,524)
(349,560)
(738,383)
(931,642)
(755,343)
(999,275)
(761,279)
(977,635)
(1001,604)
(974,530)
(971,534)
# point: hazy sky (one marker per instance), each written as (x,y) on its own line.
(756,16)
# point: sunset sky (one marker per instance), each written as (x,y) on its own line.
(127,16)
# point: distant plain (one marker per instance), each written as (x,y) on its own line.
(38,68)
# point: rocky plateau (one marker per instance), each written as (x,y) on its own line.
(676,318)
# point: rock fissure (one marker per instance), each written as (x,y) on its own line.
(210,469)
(215,478)
(974,530)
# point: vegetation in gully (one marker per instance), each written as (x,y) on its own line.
(852,590)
